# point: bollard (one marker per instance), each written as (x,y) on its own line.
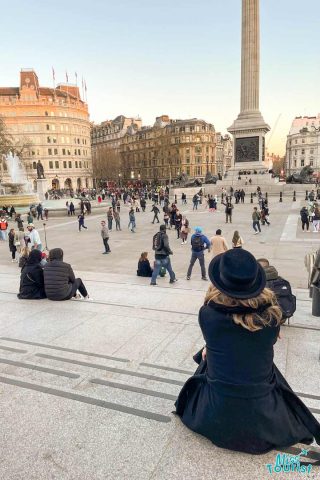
(266,195)
(251,197)
(306,195)
(280,199)
(315,301)
(294,196)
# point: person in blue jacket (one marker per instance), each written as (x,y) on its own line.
(199,243)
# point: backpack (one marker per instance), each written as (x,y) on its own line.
(287,301)
(157,242)
(197,243)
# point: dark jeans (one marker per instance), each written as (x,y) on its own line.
(163,262)
(106,244)
(40,216)
(305,224)
(110,223)
(228,217)
(13,252)
(81,225)
(194,257)
(256,226)
(178,228)
(155,218)
(78,285)
(118,225)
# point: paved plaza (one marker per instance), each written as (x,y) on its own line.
(87,389)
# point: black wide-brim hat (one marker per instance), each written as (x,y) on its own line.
(236,273)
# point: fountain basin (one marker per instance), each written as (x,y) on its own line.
(18,200)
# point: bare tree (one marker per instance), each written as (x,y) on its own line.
(6,139)
(106,164)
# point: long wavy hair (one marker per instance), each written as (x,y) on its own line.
(252,321)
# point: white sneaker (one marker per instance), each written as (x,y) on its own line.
(87,298)
(255,233)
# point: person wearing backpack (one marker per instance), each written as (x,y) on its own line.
(256,221)
(199,243)
(281,288)
(162,250)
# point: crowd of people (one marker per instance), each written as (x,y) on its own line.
(246,303)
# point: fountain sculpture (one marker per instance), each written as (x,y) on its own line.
(18,191)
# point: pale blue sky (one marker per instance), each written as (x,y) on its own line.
(178,57)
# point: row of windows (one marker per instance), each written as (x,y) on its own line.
(68,164)
(67,128)
(67,151)
(173,161)
(78,141)
(304,151)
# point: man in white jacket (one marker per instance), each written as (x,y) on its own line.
(34,238)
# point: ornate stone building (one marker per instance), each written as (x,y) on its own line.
(303,144)
(167,149)
(51,125)
(105,144)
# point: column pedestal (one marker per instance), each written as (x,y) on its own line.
(42,188)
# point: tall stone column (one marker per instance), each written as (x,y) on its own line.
(249,129)
(250,58)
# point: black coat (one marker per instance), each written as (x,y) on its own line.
(32,283)
(58,280)
(238,398)
(144,269)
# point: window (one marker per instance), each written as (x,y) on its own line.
(302,162)
(187,139)
(79,153)
(303,140)
(48,127)
(188,159)
(48,139)
(187,150)
(311,151)
(69,151)
(49,151)
(34,165)
(295,163)
(75,151)
(188,170)
(54,139)
(296,152)
(197,149)
(76,162)
(311,162)
(70,164)
(303,151)
(177,140)
(64,164)
(56,164)
(296,141)
(198,159)
(80,164)
(63,151)
(51,164)
(56,151)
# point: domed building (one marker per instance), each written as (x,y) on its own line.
(51,125)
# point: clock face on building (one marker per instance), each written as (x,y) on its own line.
(27,80)
(247,149)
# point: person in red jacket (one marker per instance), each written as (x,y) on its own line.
(3,229)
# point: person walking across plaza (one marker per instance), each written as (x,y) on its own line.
(199,243)
(105,237)
(33,238)
(316,218)
(110,218)
(116,216)
(156,212)
(218,244)
(304,218)
(237,241)
(132,220)
(13,239)
(228,211)
(81,222)
(39,212)
(256,221)
(162,251)
(178,222)
(184,230)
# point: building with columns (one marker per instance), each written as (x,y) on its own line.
(303,144)
(50,125)
(224,152)
(167,149)
(105,146)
